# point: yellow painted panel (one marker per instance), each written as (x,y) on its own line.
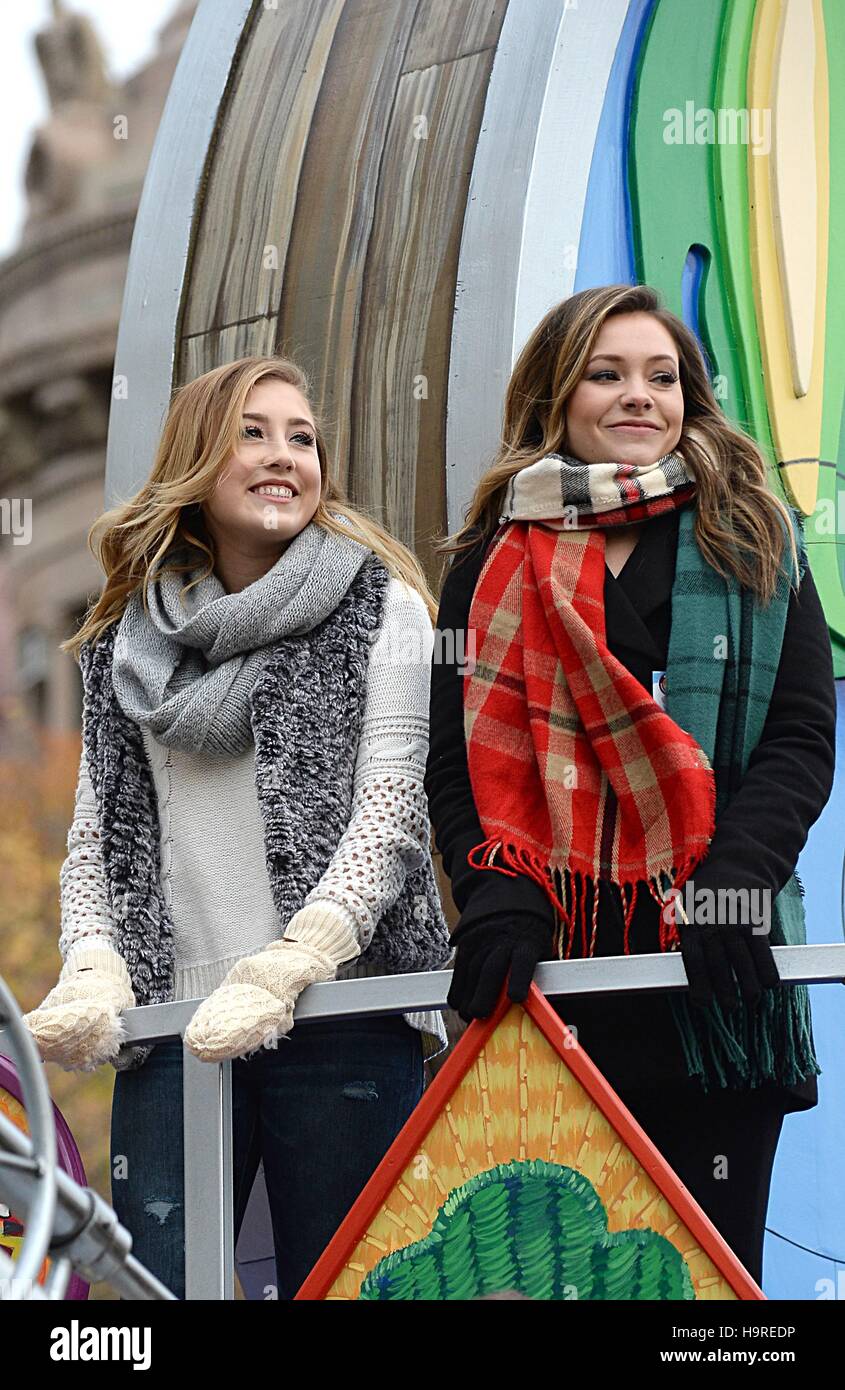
(790,296)
(794,178)
(520,1101)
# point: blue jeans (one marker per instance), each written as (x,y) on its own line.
(321,1110)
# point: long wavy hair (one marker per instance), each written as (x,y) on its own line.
(741,525)
(135,541)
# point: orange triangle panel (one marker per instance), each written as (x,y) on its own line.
(522,1172)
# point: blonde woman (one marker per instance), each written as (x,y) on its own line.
(250,815)
(625,543)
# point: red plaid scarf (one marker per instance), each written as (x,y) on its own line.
(576,772)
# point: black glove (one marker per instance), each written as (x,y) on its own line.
(712,954)
(490,948)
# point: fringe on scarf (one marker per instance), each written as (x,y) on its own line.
(773,1042)
(566,890)
(743,1049)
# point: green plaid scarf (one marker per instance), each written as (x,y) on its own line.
(723,703)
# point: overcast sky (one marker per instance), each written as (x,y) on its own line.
(127,30)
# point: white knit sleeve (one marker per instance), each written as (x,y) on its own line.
(85,915)
(388,834)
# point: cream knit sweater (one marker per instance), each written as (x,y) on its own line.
(213,865)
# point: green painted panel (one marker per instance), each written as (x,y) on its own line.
(673,185)
(732,204)
(695,60)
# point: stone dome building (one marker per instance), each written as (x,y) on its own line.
(61,292)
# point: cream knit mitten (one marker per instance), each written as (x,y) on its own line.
(78,1024)
(253,1006)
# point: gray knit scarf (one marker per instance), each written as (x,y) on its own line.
(185,668)
(306,710)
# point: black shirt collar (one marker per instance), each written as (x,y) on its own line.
(637,602)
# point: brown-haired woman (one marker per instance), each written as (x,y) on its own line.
(625,540)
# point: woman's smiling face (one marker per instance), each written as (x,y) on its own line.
(628,406)
(277,453)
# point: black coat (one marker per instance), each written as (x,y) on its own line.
(758,837)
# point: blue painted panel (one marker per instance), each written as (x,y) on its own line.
(806,1198)
(789,1272)
(693,281)
(605,251)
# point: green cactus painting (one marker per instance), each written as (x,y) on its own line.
(536,1228)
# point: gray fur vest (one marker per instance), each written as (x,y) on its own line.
(307,709)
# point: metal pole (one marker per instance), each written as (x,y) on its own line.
(86,1230)
(209,1214)
(390,994)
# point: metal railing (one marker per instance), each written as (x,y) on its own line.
(209,1240)
(207,1094)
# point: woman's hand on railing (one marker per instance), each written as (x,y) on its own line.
(253,1006)
(714,954)
(78,1024)
(489,951)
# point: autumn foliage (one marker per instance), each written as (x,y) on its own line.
(38,773)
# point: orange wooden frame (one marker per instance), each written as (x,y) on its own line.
(408,1141)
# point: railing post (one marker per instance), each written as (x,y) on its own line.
(209,1199)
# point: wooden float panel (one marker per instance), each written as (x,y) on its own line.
(252,180)
(444,31)
(493,252)
(397,454)
(365,229)
(146,358)
(332,221)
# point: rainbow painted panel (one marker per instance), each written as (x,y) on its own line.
(732,202)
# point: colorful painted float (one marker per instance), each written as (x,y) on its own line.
(395,195)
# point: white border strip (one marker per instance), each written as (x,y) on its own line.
(563,155)
(525,207)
